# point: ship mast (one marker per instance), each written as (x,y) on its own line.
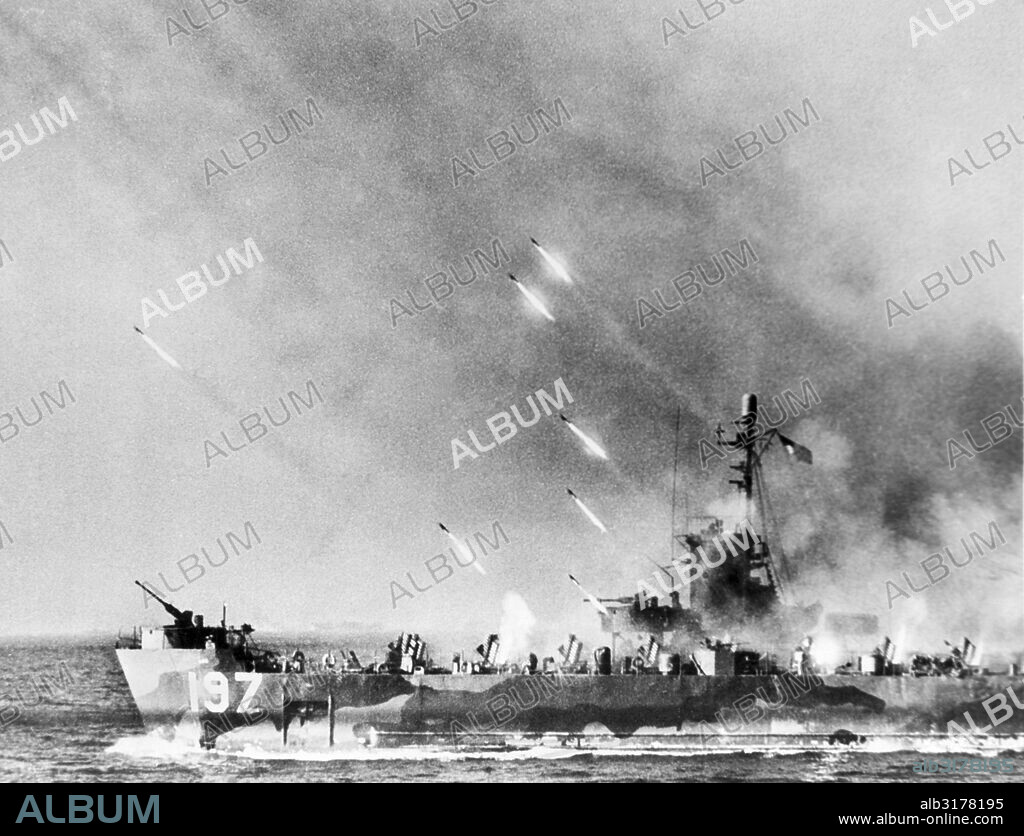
(747,439)
(675,476)
(750,484)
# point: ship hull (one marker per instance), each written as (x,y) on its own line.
(205,694)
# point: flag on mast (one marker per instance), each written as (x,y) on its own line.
(798,451)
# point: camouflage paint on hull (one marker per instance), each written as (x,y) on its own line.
(207,692)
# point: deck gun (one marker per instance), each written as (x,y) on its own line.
(181,619)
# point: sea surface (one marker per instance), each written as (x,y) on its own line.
(88,730)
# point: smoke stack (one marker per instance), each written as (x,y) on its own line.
(749,406)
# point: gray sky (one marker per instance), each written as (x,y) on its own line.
(361,208)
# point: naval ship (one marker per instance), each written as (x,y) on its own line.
(669,676)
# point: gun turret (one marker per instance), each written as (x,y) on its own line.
(181,619)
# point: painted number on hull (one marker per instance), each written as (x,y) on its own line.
(216,685)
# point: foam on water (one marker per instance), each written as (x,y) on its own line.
(408,753)
(183,747)
(157,745)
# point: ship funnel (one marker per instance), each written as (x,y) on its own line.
(749,406)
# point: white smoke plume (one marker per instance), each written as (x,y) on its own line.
(514,631)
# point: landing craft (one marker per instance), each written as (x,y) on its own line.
(669,675)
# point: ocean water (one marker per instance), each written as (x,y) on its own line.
(88,730)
